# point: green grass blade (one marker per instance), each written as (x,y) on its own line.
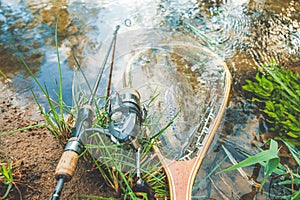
(296,196)
(270,168)
(83,74)
(286,182)
(3,75)
(260,157)
(31,73)
(293,151)
(60,99)
(274,146)
(94,197)
(209,42)
(23,129)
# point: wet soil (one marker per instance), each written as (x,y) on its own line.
(35,153)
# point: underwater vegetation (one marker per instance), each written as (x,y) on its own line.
(277,91)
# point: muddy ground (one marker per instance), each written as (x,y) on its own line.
(35,154)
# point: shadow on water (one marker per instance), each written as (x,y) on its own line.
(244,33)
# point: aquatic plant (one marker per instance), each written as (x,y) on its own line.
(289,179)
(277,90)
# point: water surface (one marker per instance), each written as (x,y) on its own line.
(244,34)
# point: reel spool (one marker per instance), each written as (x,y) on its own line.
(126,115)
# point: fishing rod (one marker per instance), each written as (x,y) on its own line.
(68,162)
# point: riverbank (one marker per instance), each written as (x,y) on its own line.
(35,154)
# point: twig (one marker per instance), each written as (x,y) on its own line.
(240,170)
(218,190)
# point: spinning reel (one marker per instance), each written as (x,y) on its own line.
(126,117)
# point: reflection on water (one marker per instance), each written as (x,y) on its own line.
(244,33)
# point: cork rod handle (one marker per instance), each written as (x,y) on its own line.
(67,165)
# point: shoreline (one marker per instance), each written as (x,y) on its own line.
(35,152)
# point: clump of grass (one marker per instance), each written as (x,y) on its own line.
(56,123)
(113,163)
(117,164)
(118,170)
(6,177)
(10,176)
(278,91)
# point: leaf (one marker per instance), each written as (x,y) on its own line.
(279,81)
(265,155)
(256,99)
(7,173)
(271,114)
(274,146)
(270,168)
(270,156)
(270,105)
(272,163)
(249,86)
(2,74)
(286,182)
(260,157)
(256,87)
(292,135)
(296,195)
(267,85)
(293,151)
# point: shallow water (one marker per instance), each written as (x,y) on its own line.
(243,34)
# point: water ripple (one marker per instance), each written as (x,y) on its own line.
(273,39)
(220,26)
